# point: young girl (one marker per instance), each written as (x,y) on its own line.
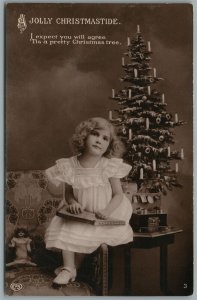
(92,180)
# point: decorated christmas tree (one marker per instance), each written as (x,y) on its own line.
(143,122)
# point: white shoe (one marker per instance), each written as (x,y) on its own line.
(58,270)
(65,275)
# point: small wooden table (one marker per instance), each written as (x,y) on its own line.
(147,241)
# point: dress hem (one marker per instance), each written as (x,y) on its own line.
(54,246)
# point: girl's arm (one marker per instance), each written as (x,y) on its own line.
(54,190)
(117,196)
(73,206)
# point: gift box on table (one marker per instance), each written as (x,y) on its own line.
(147,212)
(147,209)
(151,222)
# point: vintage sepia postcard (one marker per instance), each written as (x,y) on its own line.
(99,121)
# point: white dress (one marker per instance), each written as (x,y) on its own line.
(93,191)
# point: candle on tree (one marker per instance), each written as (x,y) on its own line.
(141,173)
(147,123)
(149,47)
(168,151)
(182,153)
(130,134)
(163,98)
(128,41)
(123,61)
(154,165)
(110,115)
(176,119)
(154,72)
(135,73)
(113,93)
(176,167)
(129,93)
(149,90)
(138,28)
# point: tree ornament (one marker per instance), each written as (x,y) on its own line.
(131,120)
(141,56)
(161,138)
(168,116)
(147,150)
(158,120)
(124,131)
(134,147)
(161,150)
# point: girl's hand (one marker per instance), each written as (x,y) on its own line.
(102,214)
(61,204)
(75,208)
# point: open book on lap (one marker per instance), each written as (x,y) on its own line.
(88,217)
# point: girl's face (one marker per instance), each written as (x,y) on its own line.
(97,142)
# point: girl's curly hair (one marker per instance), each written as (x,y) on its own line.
(116,147)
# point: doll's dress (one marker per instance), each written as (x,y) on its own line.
(92,189)
(22,246)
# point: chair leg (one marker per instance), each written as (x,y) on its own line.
(104,262)
(127,266)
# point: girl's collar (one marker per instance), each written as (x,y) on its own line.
(80,165)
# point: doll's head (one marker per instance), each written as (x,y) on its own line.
(115,148)
(21,233)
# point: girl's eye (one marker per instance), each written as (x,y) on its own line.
(106,138)
(93,132)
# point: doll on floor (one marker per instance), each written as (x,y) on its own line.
(21,242)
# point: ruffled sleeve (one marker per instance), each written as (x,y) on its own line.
(115,167)
(62,171)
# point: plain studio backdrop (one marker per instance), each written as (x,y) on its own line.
(50,89)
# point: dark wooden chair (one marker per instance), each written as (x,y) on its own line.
(29,205)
